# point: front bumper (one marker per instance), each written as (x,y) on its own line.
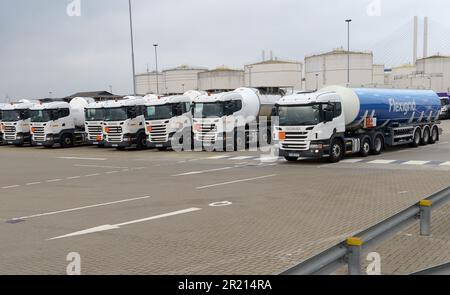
(317,150)
(20,139)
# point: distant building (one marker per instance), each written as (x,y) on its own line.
(181,79)
(274,73)
(220,80)
(331,68)
(149,83)
(97,95)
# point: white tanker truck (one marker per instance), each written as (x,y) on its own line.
(124,124)
(16,123)
(59,123)
(232,120)
(338,121)
(169,118)
(94,117)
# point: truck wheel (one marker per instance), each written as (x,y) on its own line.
(336,151)
(291,159)
(66,141)
(121,148)
(377,145)
(426,136)
(162,149)
(417,138)
(141,142)
(365,148)
(434,135)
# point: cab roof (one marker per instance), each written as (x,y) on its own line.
(17,106)
(162,100)
(218,97)
(131,101)
(309,98)
(51,105)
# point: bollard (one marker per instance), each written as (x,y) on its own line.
(354,255)
(425,217)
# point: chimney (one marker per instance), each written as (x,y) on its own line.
(425,37)
(416,29)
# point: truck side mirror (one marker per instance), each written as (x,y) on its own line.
(328,116)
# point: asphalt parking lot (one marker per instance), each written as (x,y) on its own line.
(150,212)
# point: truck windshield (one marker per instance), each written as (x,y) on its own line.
(11,116)
(300,115)
(116,114)
(42,115)
(95,114)
(445,102)
(206,110)
(160,112)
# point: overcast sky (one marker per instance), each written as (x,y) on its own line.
(43,49)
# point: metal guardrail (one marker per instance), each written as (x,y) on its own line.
(349,252)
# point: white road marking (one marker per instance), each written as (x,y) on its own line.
(33,183)
(111,172)
(108,227)
(92,175)
(219,157)
(445,164)
(80,208)
(351,161)
(235,181)
(416,163)
(54,180)
(73,177)
(77,158)
(98,166)
(268,159)
(11,186)
(242,158)
(203,171)
(382,161)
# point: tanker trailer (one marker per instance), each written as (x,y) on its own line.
(338,121)
(232,120)
(59,123)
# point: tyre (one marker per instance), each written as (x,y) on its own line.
(417,138)
(120,148)
(66,141)
(378,144)
(434,135)
(365,148)
(162,149)
(336,151)
(291,159)
(426,136)
(141,142)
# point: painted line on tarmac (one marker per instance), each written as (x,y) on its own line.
(80,208)
(415,162)
(108,227)
(79,158)
(99,166)
(445,164)
(10,186)
(202,171)
(382,161)
(235,181)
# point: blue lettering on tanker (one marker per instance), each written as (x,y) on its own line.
(397,106)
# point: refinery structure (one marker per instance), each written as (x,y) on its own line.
(336,67)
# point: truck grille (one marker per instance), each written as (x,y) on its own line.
(9,133)
(206,132)
(159,133)
(114,134)
(297,140)
(94,131)
(38,134)
(114,130)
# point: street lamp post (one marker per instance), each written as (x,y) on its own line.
(156,62)
(317,82)
(348,21)
(132,47)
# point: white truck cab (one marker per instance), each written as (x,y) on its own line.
(94,116)
(166,117)
(124,123)
(303,128)
(15,124)
(445,108)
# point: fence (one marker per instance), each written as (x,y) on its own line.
(349,252)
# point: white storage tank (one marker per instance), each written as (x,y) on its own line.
(274,73)
(331,69)
(436,69)
(180,79)
(148,83)
(221,79)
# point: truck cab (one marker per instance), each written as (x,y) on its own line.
(445,108)
(95,116)
(124,123)
(16,123)
(165,117)
(1,129)
(307,124)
